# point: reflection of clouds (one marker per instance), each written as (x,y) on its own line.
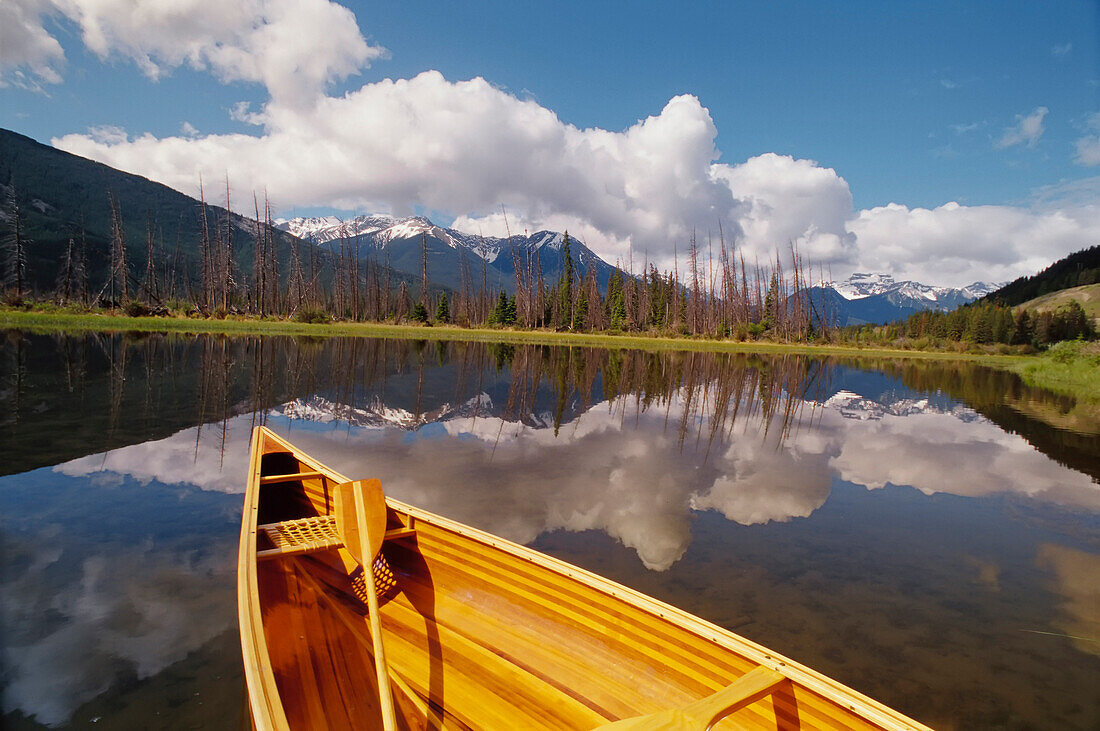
(940,453)
(1078,581)
(192,456)
(629,477)
(625,473)
(519,482)
(761,483)
(72,628)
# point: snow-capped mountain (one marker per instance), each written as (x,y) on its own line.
(877,298)
(400,241)
(320,229)
(863,284)
(383,229)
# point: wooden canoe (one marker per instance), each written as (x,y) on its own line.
(480,632)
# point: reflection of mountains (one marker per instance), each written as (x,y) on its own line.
(854,406)
(377,414)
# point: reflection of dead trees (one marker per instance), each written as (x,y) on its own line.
(705,394)
(12,390)
(117,357)
(711,392)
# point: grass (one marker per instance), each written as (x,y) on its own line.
(1088,296)
(1072,367)
(1069,368)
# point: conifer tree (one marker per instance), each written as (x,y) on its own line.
(580,313)
(770,319)
(565,283)
(442,310)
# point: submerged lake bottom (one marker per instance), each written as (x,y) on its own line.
(926,533)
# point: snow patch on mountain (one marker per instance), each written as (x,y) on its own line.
(320,229)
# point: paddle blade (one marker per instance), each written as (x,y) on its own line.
(347,523)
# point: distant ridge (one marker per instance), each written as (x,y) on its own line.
(876,299)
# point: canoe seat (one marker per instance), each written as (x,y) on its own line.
(305,535)
(309,535)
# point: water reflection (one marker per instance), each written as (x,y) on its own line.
(858,519)
(106,582)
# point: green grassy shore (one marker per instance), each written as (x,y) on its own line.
(1068,368)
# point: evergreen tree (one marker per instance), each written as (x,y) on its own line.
(504,313)
(616,304)
(1021,328)
(442,310)
(580,314)
(419,312)
(565,283)
(509,311)
(771,304)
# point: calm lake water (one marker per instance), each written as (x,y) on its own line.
(928,533)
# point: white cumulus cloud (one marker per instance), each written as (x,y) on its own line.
(955,245)
(791,201)
(29,55)
(463,147)
(293,47)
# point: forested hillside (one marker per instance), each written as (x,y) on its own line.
(1077,269)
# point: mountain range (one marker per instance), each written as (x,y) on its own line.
(400,242)
(867,298)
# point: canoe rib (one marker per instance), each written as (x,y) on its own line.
(482,632)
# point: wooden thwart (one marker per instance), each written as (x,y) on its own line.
(310,535)
(270,479)
(705,713)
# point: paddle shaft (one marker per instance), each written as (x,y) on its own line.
(385,697)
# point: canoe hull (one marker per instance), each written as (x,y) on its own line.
(481,632)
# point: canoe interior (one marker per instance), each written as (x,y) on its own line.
(479,637)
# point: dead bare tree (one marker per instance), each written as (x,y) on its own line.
(15,243)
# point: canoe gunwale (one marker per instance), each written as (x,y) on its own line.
(264,702)
(263,693)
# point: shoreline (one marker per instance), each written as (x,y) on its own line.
(1080,378)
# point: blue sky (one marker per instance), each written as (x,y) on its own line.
(920,105)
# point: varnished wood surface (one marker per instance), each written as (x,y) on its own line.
(483,633)
(347,517)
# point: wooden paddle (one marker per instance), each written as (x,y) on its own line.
(360,510)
